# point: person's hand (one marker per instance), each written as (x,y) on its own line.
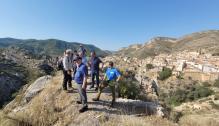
(84,86)
(69,72)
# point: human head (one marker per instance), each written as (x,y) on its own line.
(93,53)
(68,52)
(111,64)
(75,52)
(78,60)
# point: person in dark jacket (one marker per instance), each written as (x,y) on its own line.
(94,64)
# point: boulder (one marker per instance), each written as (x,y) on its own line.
(140,107)
(36,87)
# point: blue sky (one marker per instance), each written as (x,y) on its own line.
(108,24)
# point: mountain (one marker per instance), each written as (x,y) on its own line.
(206,41)
(19,67)
(51,47)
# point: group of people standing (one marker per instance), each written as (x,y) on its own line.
(75,67)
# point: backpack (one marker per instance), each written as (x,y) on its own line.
(60,65)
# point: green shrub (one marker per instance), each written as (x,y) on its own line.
(179,96)
(165,73)
(216,83)
(206,84)
(128,89)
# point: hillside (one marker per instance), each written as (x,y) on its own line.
(50,105)
(206,42)
(19,67)
(52,47)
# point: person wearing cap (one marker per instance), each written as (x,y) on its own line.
(94,65)
(111,78)
(67,67)
(82,51)
(81,80)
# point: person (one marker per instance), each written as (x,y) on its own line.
(84,58)
(82,50)
(67,67)
(74,65)
(154,85)
(81,80)
(75,54)
(59,62)
(112,76)
(94,66)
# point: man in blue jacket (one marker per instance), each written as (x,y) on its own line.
(81,80)
(112,76)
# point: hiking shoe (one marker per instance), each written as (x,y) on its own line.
(96,89)
(70,88)
(112,103)
(95,99)
(83,109)
(78,102)
(91,86)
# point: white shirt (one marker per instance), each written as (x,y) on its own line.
(67,63)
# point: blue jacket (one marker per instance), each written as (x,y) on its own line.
(81,72)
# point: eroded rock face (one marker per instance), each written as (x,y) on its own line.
(140,107)
(8,85)
(36,87)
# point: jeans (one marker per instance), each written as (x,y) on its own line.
(83,94)
(95,75)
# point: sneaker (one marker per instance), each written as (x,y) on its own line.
(83,109)
(78,102)
(91,86)
(95,99)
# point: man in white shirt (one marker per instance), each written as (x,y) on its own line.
(67,68)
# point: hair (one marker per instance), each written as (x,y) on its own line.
(93,52)
(111,63)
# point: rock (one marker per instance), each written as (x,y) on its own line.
(141,107)
(36,87)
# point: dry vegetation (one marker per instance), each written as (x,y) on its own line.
(56,107)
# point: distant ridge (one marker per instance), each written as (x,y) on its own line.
(206,41)
(53,47)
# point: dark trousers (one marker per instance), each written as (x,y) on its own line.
(83,94)
(95,75)
(67,79)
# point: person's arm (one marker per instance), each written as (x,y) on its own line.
(84,83)
(85,72)
(102,64)
(118,76)
(104,78)
(64,63)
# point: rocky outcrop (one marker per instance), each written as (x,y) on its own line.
(141,107)
(36,87)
